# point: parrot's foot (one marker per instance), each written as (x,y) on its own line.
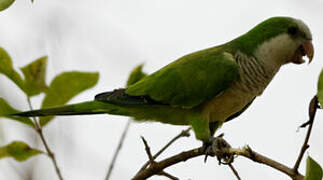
(218,147)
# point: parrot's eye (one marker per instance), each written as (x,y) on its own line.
(292,30)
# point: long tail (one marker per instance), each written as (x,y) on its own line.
(90,107)
(141,108)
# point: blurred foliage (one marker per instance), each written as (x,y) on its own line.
(18,150)
(35,74)
(4,4)
(64,87)
(6,109)
(320,89)
(136,75)
(313,170)
(7,69)
(1,133)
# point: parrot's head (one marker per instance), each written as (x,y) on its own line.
(278,39)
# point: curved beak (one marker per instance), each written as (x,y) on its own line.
(305,49)
(308,50)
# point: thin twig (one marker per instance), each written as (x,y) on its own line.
(50,153)
(183,133)
(312,111)
(147,148)
(157,167)
(235,172)
(116,153)
(163,173)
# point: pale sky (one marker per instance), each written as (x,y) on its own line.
(112,37)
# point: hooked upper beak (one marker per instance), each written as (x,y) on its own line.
(305,49)
(308,50)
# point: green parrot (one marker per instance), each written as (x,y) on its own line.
(208,87)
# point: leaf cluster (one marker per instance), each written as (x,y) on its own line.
(60,90)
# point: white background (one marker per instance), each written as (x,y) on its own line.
(112,37)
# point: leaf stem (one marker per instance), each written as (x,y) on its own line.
(183,133)
(50,153)
(312,111)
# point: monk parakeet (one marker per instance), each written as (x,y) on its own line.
(208,87)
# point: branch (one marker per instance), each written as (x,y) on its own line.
(116,153)
(147,148)
(235,172)
(311,111)
(152,161)
(157,168)
(184,133)
(254,156)
(50,153)
(168,175)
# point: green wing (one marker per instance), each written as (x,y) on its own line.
(191,80)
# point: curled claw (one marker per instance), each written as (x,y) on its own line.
(218,147)
(208,149)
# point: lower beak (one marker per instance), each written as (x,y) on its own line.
(305,49)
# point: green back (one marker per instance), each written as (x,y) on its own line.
(199,76)
(191,80)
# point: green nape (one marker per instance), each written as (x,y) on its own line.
(264,31)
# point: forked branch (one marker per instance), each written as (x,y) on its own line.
(157,168)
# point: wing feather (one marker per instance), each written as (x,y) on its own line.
(190,80)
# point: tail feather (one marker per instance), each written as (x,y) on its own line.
(119,97)
(160,113)
(90,107)
(140,108)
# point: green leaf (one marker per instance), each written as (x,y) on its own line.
(35,73)
(320,88)
(18,150)
(64,87)
(4,4)
(136,75)
(313,170)
(6,109)
(7,69)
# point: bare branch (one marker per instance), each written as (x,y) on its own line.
(235,172)
(50,153)
(147,148)
(163,173)
(312,111)
(252,155)
(184,133)
(116,153)
(158,167)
